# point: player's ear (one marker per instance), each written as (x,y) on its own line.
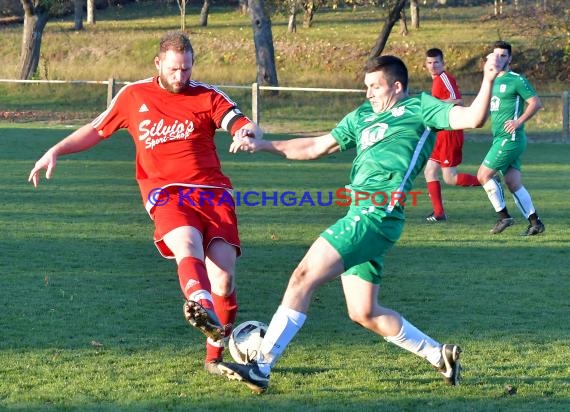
(399,87)
(157,63)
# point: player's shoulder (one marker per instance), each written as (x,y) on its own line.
(133,87)
(201,86)
(445,75)
(514,76)
(202,90)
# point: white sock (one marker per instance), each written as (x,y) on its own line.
(199,295)
(283,327)
(414,340)
(495,195)
(524,202)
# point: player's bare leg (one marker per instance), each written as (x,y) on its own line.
(321,264)
(363,308)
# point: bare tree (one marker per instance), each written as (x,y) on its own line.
(78,14)
(90,11)
(498,7)
(396,7)
(310,7)
(293,10)
(204,13)
(263,41)
(403,23)
(415,14)
(36,16)
(182,7)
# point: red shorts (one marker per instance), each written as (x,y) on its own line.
(448,148)
(211,211)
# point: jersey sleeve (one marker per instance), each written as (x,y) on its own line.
(445,87)
(116,115)
(524,88)
(435,113)
(226,114)
(345,131)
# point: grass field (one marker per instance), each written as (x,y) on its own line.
(91,317)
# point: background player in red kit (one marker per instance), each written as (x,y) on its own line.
(447,152)
(172,120)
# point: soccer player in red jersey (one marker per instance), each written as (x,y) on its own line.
(172,120)
(447,153)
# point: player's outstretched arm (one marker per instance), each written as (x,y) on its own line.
(82,139)
(474,116)
(249,130)
(304,148)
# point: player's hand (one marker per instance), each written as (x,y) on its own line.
(511,126)
(492,67)
(244,144)
(48,162)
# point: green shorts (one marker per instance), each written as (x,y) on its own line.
(505,153)
(362,239)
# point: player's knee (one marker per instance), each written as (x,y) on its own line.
(360,316)
(483,177)
(450,179)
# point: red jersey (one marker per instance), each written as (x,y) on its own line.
(173,132)
(449,143)
(445,87)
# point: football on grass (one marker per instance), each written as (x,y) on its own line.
(245,341)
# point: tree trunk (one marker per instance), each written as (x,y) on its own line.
(415,14)
(403,23)
(392,18)
(292,25)
(182,7)
(263,41)
(78,14)
(204,13)
(35,20)
(309,14)
(90,11)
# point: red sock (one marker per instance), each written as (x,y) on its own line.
(194,281)
(434,190)
(465,179)
(226,308)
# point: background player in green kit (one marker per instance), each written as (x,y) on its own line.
(393,135)
(508,115)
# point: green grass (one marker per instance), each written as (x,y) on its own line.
(91,318)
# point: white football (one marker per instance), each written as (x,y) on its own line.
(245,341)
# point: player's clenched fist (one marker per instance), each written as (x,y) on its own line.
(492,66)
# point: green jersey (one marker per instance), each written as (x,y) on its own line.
(392,147)
(510,91)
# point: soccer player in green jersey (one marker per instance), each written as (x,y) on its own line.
(508,115)
(393,135)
